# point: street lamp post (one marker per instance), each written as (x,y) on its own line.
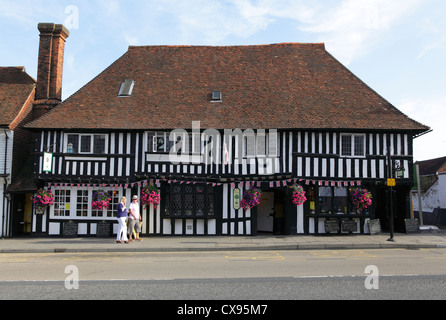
(390,184)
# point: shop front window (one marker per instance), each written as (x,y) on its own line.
(333,200)
(62,203)
(77,203)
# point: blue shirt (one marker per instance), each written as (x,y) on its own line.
(122,213)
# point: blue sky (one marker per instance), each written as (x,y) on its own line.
(397,47)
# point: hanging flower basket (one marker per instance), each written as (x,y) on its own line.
(361,199)
(101,200)
(150,195)
(42,200)
(298,197)
(251,198)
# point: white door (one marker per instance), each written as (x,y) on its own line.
(265,212)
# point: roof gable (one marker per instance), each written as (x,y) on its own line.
(16,90)
(288,85)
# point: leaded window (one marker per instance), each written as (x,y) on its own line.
(189,200)
(352,145)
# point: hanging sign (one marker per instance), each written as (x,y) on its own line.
(236,198)
(47,162)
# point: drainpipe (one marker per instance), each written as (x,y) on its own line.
(4,187)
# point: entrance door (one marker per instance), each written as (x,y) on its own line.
(21,214)
(265,212)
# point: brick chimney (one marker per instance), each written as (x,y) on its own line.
(49,67)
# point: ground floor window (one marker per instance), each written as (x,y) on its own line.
(189,200)
(77,203)
(62,200)
(115,198)
(330,200)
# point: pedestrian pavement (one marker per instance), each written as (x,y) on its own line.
(34,244)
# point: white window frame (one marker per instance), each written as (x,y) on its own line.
(264,144)
(152,137)
(352,145)
(80,135)
(72,208)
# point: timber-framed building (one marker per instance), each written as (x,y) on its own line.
(206,123)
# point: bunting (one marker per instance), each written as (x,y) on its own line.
(240,184)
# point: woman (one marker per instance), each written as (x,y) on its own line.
(122,216)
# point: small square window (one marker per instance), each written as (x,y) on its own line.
(216,95)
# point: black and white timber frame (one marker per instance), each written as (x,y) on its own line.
(310,156)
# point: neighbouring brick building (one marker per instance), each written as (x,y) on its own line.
(235,117)
(23,99)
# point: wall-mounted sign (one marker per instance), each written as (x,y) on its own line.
(236,198)
(391,182)
(47,162)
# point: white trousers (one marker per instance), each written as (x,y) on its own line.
(122,229)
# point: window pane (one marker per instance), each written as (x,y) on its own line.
(188,204)
(82,203)
(359,145)
(150,141)
(62,203)
(249,145)
(346,145)
(160,144)
(325,192)
(114,201)
(188,200)
(176,204)
(96,212)
(261,145)
(73,143)
(85,143)
(325,198)
(340,205)
(210,203)
(99,143)
(166,203)
(340,200)
(170,144)
(340,192)
(200,204)
(273,142)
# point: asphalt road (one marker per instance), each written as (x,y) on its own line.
(235,275)
(418,287)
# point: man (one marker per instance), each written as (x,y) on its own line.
(134,219)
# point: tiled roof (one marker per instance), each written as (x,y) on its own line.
(288,85)
(432,166)
(16,90)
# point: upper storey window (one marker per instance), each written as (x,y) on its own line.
(353,145)
(86,143)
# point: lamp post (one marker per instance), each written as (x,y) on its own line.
(390,184)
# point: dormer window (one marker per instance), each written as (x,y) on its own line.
(126,88)
(216,96)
